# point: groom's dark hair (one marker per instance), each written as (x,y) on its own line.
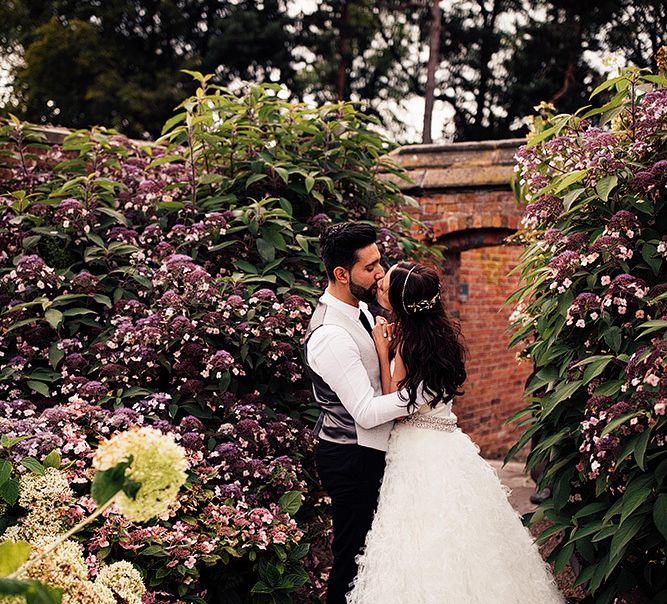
(340,242)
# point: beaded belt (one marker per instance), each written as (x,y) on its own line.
(431,423)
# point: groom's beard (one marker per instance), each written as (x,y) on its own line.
(363,294)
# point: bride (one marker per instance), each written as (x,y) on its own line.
(443,531)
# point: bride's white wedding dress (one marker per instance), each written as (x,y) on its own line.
(444,531)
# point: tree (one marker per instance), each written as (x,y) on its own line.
(118,63)
(433,56)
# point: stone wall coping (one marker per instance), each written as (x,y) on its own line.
(456,165)
(470,146)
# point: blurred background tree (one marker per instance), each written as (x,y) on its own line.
(81,62)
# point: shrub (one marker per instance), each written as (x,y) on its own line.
(592,318)
(169,284)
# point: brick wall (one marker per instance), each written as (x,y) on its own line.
(495,380)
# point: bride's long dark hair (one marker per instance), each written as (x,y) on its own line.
(429,341)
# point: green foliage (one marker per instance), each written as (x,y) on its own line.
(12,556)
(592,319)
(34,592)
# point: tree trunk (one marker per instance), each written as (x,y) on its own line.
(343,52)
(433,60)
(487,48)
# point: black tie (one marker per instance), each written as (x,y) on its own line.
(364,321)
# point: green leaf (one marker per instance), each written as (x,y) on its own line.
(543,377)
(255,178)
(30,241)
(563,392)
(271,575)
(210,179)
(40,387)
(53,460)
(636,494)
(651,326)
(605,533)
(563,557)
(661,472)
(54,317)
(266,249)
(13,555)
(585,531)
(5,470)
(650,255)
(621,539)
(261,588)
(610,388)
(606,85)
(605,185)
(108,483)
(55,355)
(294,580)
(33,465)
(290,502)
(612,338)
(246,267)
(102,299)
(284,174)
(572,196)
(569,179)
(596,368)
(8,442)
(153,550)
(310,183)
(114,214)
(640,449)
(9,491)
(585,575)
(616,422)
(660,514)
(299,551)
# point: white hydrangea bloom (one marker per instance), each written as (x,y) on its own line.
(123,580)
(158,465)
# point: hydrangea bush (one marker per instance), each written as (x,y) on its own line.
(139,472)
(169,285)
(592,317)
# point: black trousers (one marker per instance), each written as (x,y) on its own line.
(351,475)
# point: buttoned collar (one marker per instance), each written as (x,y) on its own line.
(353,312)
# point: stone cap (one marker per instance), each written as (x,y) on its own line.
(456,165)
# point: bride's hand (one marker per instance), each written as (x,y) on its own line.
(382,334)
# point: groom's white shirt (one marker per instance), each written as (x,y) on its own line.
(344,356)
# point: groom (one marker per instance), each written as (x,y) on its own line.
(356,420)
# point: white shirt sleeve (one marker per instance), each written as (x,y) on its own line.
(335,357)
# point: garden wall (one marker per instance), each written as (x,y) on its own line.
(464,193)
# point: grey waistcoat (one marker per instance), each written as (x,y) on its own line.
(335,423)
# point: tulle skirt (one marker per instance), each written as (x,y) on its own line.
(444,531)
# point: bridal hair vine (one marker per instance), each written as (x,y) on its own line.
(419,305)
(423,304)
